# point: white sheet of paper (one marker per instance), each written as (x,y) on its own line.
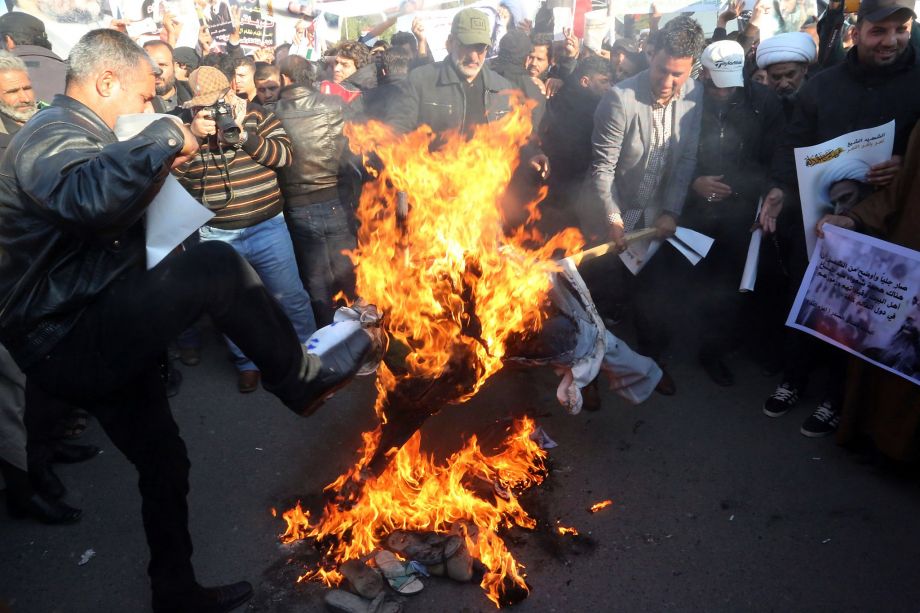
(749,276)
(685,250)
(697,242)
(136,29)
(691,244)
(597,26)
(638,254)
(563,18)
(173,215)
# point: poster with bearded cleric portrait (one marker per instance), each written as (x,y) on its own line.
(832,175)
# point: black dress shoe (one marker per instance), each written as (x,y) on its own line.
(46,483)
(717,370)
(44,510)
(339,366)
(204,599)
(666,386)
(68,453)
(173,382)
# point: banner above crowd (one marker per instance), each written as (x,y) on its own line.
(262,23)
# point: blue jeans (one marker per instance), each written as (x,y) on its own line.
(268,249)
(320,232)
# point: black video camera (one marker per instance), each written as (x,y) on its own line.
(227,130)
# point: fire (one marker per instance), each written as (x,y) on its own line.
(454,286)
(417,493)
(446,275)
(564,530)
(594,508)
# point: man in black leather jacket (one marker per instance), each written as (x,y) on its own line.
(462,92)
(320,223)
(86,322)
(459,92)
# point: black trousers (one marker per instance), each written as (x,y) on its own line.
(108,363)
(719,303)
(652,296)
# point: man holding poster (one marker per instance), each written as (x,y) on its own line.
(878,82)
(883,403)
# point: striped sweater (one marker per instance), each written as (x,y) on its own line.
(240,185)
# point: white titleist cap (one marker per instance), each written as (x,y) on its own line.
(724,60)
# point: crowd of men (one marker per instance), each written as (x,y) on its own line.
(660,129)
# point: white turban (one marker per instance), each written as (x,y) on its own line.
(788,47)
(841,170)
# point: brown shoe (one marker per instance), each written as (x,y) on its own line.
(666,386)
(248,381)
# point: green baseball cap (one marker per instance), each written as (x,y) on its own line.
(471,27)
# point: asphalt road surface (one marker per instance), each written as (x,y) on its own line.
(716,507)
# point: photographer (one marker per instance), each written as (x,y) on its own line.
(233,174)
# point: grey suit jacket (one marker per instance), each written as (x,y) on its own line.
(622,138)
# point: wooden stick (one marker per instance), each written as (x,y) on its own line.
(596,252)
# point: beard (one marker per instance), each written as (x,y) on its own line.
(466,71)
(162,90)
(71,11)
(19,114)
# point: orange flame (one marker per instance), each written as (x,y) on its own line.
(416,493)
(594,508)
(566,530)
(417,270)
(450,281)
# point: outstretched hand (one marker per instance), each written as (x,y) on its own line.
(770,209)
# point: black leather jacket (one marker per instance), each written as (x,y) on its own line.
(433,95)
(71,202)
(314,122)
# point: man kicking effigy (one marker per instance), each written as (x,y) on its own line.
(87,323)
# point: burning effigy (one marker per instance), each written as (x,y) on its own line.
(457,292)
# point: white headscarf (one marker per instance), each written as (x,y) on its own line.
(788,47)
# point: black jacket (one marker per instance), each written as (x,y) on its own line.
(737,140)
(71,202)
(847,97)
(47,71)
(433,95)
(522,81)
(314,121)
(377,101)
(565,133)
(183,95)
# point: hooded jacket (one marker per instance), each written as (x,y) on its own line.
(515,47)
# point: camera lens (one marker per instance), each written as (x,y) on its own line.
(227,128)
